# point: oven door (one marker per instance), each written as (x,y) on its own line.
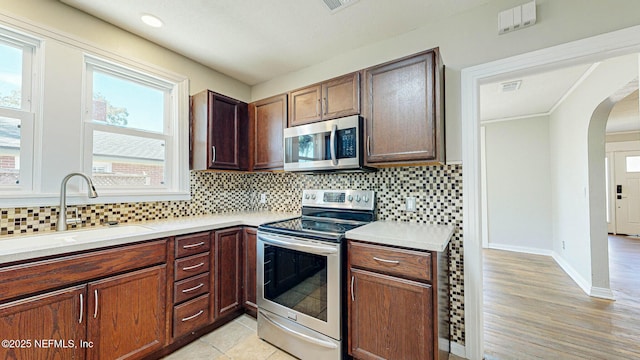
(299,279)
(327,145)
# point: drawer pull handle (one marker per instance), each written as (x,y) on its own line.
(386,261)
(193,245)
(192,289)
(193,316)
(188,268)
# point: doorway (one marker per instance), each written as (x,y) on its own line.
(592,49)
(627,192)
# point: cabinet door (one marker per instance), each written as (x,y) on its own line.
(341,96)
(389,317)
(399,110)
(58,315)
(228,271)
(269,118)
(305,106)
(127,316)
(226,125)
(249,286)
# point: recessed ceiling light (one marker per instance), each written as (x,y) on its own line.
(511,85)
(151,20)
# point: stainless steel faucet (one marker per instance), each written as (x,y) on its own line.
(62,218)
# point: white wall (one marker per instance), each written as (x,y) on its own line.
(468,39)
(569,134)
(518,185)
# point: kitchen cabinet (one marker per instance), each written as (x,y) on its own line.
(191,298)
(58,315)
(404,111)
(219,132)
(227,281)
(126,318)
(268,118)
(249,271)
(118,309)
(393,308)
(330,99)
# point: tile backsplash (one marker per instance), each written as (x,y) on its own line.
(437,189)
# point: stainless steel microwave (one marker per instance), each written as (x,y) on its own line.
(332,145)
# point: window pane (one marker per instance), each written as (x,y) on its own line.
(10,76)
(633,163)
(127,161)
(126,103)
(9,151)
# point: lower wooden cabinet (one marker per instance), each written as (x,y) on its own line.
(249,271)
(390,317)
(227,271)
(397,303)
(58,316)
(126,317)
(120,317)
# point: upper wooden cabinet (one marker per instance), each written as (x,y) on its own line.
(403,110)
(219,132)
(268,119)
(330,99)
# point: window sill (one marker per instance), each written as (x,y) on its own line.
(80,198)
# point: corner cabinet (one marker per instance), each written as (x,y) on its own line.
(403,110)
(397,303)
(268,119)
(219,132)
(330,99)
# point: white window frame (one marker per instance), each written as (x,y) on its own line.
(27,112)
(176,158)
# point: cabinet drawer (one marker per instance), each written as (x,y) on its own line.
(192,265)
(401,262)
(190,288)
(192,244)
(191,315)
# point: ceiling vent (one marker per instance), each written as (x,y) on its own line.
(510,85)
(337,5)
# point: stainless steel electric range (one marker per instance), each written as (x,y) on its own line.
(301,270)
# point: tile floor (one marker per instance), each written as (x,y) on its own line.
(236,340)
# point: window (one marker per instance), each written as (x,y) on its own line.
(633,164)
(129,126)
(17,55)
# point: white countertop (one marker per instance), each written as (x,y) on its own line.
(409,235)
(23,247)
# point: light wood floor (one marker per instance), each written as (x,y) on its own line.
(533,310)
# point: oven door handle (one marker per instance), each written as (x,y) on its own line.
(302,336)
(308,248)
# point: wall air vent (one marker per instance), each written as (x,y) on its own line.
(510,85)
(337,5)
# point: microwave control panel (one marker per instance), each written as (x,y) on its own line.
(347,147)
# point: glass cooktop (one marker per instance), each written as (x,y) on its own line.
(311,228)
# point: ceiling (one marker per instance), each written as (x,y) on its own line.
(257,40)
(540,93)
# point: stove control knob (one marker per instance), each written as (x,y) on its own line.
(365,198)
(350,198)
(313,196)
(306,196)
(357,198)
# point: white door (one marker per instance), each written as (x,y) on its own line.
(627,192)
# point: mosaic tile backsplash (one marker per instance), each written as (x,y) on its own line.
(437,189)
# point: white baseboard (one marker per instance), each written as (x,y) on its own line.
(602,293)
(575,276)
(520,249)
(458,350)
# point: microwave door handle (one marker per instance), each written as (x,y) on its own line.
(334,158)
